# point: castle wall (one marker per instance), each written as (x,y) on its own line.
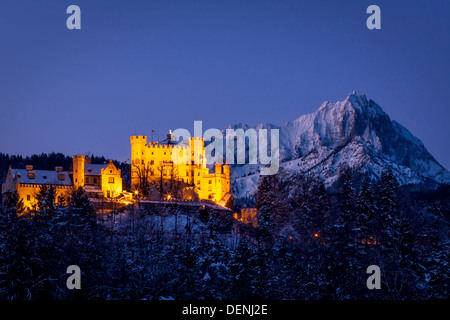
(27,192)
(111,181)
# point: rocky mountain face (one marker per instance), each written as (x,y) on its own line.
(354,133)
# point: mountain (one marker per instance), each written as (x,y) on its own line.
(354,133)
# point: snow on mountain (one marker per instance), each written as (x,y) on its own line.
(354,132)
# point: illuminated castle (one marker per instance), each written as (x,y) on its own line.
(97,180)
(104,179)
(153,168)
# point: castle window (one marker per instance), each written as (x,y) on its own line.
(111,180)
(209,182)
(152,162)
(198,181)
(110,171)
(87,180)
(89,170)
(95,180)
(44,177)
(108,193)
(28,197)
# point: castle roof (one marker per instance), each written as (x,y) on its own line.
(94,169)
(42,177)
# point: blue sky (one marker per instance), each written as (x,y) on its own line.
(138,65)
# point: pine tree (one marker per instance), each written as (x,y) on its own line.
(243,269)
(365,208)
(264,195)
(187,274)
(46,198)
(341,275)
(79,202)
(26,258)
(391,221)
(396,238)
(347,216)
(431,254)
(264,203)
(15,203)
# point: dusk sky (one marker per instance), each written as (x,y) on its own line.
(138,65)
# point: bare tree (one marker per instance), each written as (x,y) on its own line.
(143,172)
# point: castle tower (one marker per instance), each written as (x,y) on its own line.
(226,170)
(78,171)
(218,168)
(198,151)
(138,156)
(138,149)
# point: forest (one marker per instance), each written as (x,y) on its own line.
(311,243)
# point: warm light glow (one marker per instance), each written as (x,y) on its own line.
(168,197)
(136,192)
(208,185)
(316,235)
(370,240)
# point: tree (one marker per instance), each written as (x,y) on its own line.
(391,221)
(79,201)
(365,208)
(264,203)
(432,253)
(347,216)
(142,171)
(396,237)
(15,203)
(243,270)
(26,258)
(46,198)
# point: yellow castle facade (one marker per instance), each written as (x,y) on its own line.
(154,175)
(97,179)
(162,164)
(104,179)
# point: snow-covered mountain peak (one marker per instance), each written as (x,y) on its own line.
(355,133)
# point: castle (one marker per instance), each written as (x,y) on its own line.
(97,180)
(153,170)
(154,175)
